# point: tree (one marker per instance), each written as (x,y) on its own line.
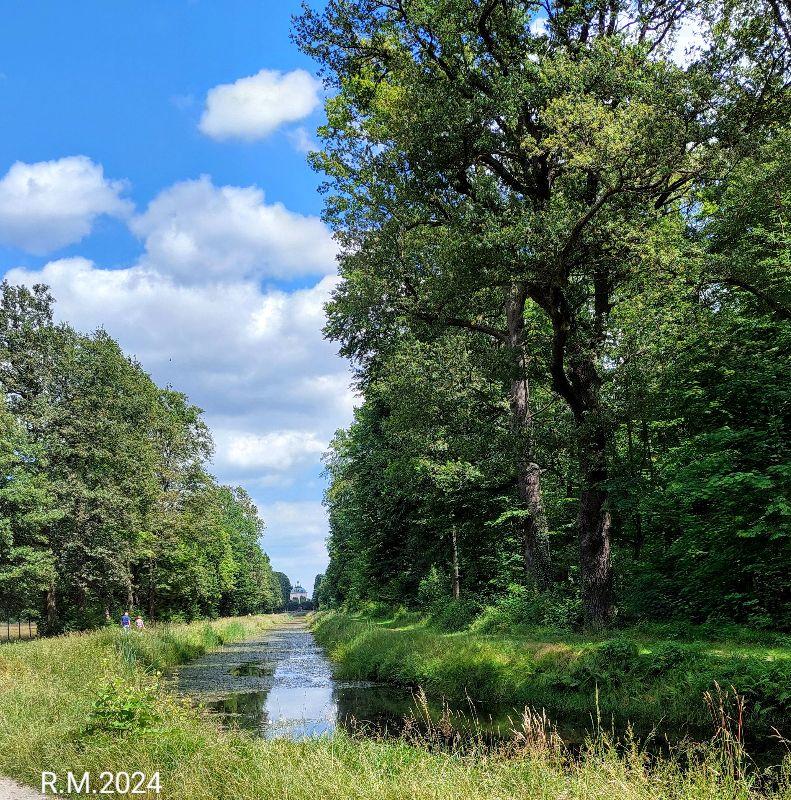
(484,174)
(27,507)
(317,589)
(427,461)
(107,502)
(285,588)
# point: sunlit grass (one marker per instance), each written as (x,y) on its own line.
(49,688)
(639,675)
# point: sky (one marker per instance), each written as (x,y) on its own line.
(153,174)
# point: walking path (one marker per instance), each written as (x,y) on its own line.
(11,790)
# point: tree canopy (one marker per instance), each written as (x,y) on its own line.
(564,260)
(106,502)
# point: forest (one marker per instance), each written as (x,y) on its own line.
(106,503)
(566,295)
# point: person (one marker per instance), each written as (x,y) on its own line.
(139,623)
(126,621)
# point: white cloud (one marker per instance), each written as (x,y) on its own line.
(295,519)
(688,40)
(197,232)
(273,389)
(252,108)
(539,26)
(294,538)
(50,204)
(302,140)
(194,313)
(278,450)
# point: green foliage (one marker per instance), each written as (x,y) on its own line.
(521,607)
(44,710)
(122,708)
(106,504)
(539,231)
(614,253)
(284,585)
(636,677)
(432,591)
(454,615)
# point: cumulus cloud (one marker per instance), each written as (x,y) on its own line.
(273,390)
(49,204)
(688,40)
(253,107)
(194,312)
(302,140)
(278,450)
(197,232)
(295,536)
(295,519)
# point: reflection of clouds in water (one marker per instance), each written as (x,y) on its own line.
(280,685)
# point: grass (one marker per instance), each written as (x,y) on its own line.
(93,702)
(640,676)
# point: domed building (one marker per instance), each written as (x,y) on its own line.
(298,594)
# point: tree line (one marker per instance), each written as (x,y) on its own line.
(106,503)
(565,293)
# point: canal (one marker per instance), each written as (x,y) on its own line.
(280,685)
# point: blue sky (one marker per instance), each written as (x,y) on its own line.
(152,171)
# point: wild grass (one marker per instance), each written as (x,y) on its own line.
(94,702)
(634,676)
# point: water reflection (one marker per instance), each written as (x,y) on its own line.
(281,685)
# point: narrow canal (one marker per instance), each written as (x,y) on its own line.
(280,685)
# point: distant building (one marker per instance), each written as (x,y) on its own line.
(298,594)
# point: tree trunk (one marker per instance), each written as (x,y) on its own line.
(535,531)
(576,357)
(152,595)
(130,592)
(594,524)
(456,582)
(635,468)
(52,609)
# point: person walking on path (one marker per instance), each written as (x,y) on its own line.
(126,621)
(139,623)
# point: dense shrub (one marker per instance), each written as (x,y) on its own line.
(522,607)
(455,615)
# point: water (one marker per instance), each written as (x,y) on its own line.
(280,685)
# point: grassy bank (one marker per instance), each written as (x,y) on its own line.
(93,702)
(637,676)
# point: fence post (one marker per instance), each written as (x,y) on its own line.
(29,630)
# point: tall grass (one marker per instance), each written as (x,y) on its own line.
(93,702)
(629,678)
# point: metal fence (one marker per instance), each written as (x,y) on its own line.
(12,629)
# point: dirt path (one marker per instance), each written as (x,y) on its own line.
(11,790)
